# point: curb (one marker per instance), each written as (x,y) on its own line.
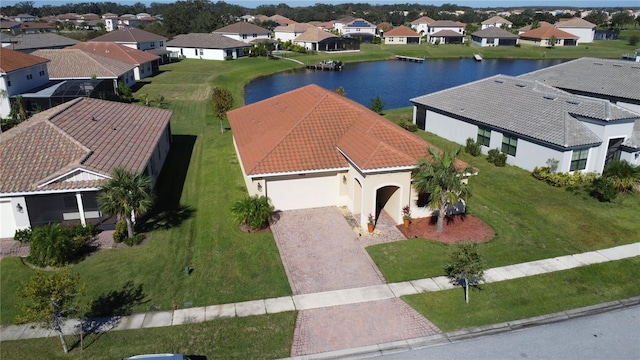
(465,334)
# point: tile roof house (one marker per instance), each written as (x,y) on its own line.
(36,27)
(29,43)
(207,46)
(446,32)
(19,72)
(244,31)
(69,64)
(543,36)
(316,39)
(356,28)
(146,64)
(290,32)
(401,35)
(134,38)
(494,36)
(584,30)
(495,21)
(530,121)
(311,147)
(54,164)
(529,27)
(421,25)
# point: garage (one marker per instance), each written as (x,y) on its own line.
(7,219)
(303,191)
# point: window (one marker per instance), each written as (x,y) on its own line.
(244,36)
(8,81)
(391,39)
(41,70)
(255,35)
(484,136)
(579,159)
(29,74)
(509,144)
(161,43)
(201,52)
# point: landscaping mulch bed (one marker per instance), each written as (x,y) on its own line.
(457,228)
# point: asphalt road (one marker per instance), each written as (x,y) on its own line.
(611,335)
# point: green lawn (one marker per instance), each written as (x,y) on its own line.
(532,221)
(530,296)
(253,337)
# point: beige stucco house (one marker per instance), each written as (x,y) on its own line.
(311,147)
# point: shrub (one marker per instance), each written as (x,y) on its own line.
(23,235)
(136,240)
(603,189)
(496,157)
(120,234)
(622,175)
(553,165)
(473,147)
(253,211)
(52,245)
(562,179)
(81,231)
(408,125)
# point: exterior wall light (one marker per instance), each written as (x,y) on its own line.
(260,187)
(19,208)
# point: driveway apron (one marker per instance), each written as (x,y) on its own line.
(321,252)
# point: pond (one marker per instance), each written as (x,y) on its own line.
(395,81)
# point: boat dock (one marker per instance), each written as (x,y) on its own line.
(326,65)
(409,58)
(477,57)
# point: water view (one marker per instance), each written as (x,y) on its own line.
(394,81)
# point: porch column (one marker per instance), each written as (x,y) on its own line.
(83,221)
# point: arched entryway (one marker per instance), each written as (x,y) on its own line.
(388,199)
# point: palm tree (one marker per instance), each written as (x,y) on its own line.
(127,194)
(253,211)
(441,179)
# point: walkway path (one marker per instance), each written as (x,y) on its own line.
(327,298)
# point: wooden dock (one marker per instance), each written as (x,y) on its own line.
(328,65)
(409,58)
(477,57)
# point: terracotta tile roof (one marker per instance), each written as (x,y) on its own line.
(241,27)
(496,20)
(11,60)
(546,32)
(574,23)
(205,41)
(422,20)
(35,25)
(541,24)
(116,51)
(75,63)
(129,35)
(310,128)
(297,27)
(314,35)
(91,134)
(281,19)
(401,31)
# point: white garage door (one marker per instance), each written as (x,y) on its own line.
(303,192)
(7,220)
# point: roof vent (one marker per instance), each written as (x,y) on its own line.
(550,97)
(521,85)
(499,81)
(574,102)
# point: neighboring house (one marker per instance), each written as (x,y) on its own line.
(139,39)
(421,25)
(584,30)
(543,36)
(75,64)
(290,32)
(281,20)
(36,27)
(55,163)
(401,35)
(496,21)
(19,72)
(524,29)
(446,32)
(605,34)
(319,40)
(531,122)
(146,64)
(245,32)
(25,17)
(28,43)
(9,26)
(311,147)
(357,28)
(494,36)
(207,46)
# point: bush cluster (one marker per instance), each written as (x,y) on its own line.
(121,232)
(562,179)
(23,235)
(496,157)
(408,125)
(55,245)
(473,147)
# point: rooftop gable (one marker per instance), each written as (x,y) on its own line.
(496,20)
(75,63)
(294,28)
(314,129)
(422,20)
(495,32)
(241,27)
(546,32)
(574,23)
(130,35)
(401,31)
(314,35)
(116,51)
(40,41)
(11,60)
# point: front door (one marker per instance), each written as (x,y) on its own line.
(613,150)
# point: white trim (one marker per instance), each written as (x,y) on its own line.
(83,220)
(71,172)
(26,193)
(302,172)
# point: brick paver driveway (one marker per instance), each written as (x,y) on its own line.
(321,252)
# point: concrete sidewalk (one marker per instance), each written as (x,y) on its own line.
(321,299)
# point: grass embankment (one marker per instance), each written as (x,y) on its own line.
(532,221)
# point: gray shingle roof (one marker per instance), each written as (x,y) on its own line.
(241,27)
(205,41)
(495,32)
(129,35)
(76,64)
(526,108)
(40,41)
(613,78)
